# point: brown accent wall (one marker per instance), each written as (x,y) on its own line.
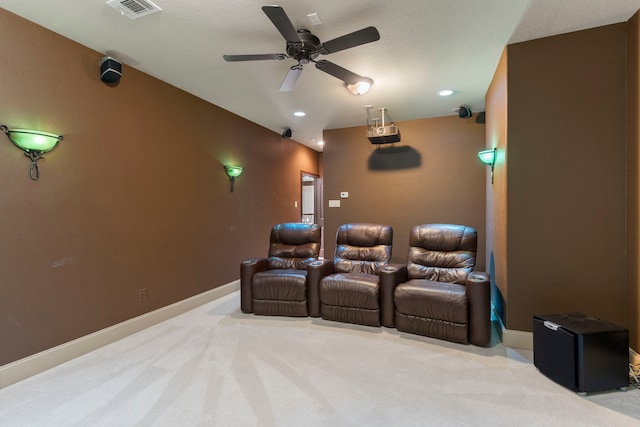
(135,196)
(566,176)
(432,175)
(633,181)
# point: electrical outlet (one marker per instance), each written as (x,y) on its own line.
(143,294)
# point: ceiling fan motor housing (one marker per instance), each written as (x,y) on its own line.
(307,49)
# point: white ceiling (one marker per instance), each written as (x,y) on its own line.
(424,46)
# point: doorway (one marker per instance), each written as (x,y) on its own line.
(311,205)
(309,215)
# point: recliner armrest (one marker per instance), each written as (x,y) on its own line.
(247,269)
(390,275)
(316,270)
(479,294)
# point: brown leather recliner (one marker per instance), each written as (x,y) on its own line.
(278,285)
(349,290)
(443,298)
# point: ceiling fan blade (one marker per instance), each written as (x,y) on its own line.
(337,71)
(291,78)
(280,19)
(258,57)
(363,36)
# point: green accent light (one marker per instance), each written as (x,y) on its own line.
(32,140)
(488,157)
(233,171)
(34,143)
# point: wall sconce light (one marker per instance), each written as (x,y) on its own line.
(361,86)
(233,172)
(488,157)
(34,143)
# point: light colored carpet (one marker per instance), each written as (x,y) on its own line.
(215,366)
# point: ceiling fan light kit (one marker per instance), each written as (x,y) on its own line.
(360,87)
(305,47)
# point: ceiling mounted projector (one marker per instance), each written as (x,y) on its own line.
(379,133)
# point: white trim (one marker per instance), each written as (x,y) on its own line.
(512,338)
(31,365)
(517,339)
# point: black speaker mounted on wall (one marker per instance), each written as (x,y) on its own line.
(286,133)
(464,112)
(110,70)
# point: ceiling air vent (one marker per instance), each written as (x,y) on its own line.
(134,8)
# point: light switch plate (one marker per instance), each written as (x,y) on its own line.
(334,203)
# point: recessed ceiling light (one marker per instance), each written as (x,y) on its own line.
(445,92)
(321,143)
(299,114)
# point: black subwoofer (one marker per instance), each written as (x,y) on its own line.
(582,353)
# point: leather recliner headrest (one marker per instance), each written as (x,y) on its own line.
(442,252)
(363,248)
(293,245)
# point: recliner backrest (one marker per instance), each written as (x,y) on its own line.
(362,248)
(442,252)
(293,245)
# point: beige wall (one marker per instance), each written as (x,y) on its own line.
(633,181)
(432,175)
(134,197)
(497,218)
(566,176)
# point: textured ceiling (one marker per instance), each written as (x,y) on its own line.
(425,46)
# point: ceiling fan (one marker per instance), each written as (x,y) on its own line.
(304,47)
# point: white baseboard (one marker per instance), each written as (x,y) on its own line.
(39,362)
(512,338)
(517,339)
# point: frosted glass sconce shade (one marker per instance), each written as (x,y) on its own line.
(488,157)
(233,172)
(34,143)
